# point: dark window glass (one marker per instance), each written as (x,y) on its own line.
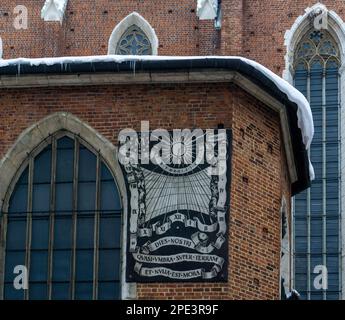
(134,42)
(53,229)
(317,210)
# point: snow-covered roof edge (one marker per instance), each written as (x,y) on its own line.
(304,114)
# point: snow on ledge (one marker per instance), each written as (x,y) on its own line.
(304,114)
(207,9)
(54,10)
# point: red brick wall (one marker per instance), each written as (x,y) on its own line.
(88,25)
(258,181)
(232,27)
(264,26)
(254,29)
(258,170)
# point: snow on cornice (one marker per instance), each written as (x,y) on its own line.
(54,10)
(207,9)
(304,114)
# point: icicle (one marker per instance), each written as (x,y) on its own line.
(132,65)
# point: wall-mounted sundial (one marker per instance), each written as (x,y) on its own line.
(178,207)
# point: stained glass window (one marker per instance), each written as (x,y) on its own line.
(134,42)
(317,210)
(63,223)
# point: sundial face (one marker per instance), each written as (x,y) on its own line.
(178,209)
(181,156)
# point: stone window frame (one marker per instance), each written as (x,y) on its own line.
(133,33)
(292,38)
(132,19)
(33,137)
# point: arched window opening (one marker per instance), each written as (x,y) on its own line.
(134,42)
(62,220)
(133,36)
(317,210)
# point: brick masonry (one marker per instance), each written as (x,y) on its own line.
(258,176)
(254,29)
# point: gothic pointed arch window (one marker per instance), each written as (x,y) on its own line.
(134,42)
(62,220)
(133,36)
(317,210)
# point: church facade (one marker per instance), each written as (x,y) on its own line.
(70,210)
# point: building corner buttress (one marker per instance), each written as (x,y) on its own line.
(232,27)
